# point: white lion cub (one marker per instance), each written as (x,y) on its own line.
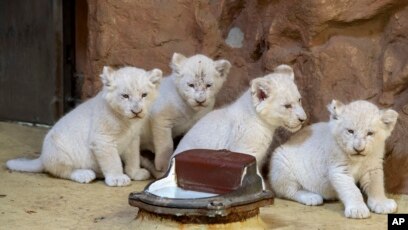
(327,159)
(248,125)
(91,139)
(185,96)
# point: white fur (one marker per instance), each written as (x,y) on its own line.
(327,159)
(185,96)
(91,139)
(248,125)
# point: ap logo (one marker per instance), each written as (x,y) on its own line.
(397,221)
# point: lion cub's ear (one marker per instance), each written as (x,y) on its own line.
(107,77)
(285,69)
(176,62)
(389,118)
(223,67)
(155,76)
(260,90)
(335,108)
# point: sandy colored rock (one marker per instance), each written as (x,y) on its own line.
(339,49)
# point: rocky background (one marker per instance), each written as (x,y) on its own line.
(339,49)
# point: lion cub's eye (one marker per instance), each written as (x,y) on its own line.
(288,106)
(191,85)
(208,85)
(300,100)
(370,133)
(125,96)
(350,131)
(144,95)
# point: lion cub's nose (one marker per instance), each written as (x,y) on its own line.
(200,101)
(302,120)
(358,151)
(136,113)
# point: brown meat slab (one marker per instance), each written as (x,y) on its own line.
(212,171)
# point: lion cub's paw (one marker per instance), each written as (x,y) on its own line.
(161,163)
(357,211)
(310,199)
(382,206)
(139,174)
(83,175)
(117,180)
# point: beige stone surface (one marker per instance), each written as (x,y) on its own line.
(38,201)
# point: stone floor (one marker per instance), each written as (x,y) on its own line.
(39,201)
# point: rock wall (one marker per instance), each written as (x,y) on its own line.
(344,49)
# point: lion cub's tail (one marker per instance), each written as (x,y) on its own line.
(25,165)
